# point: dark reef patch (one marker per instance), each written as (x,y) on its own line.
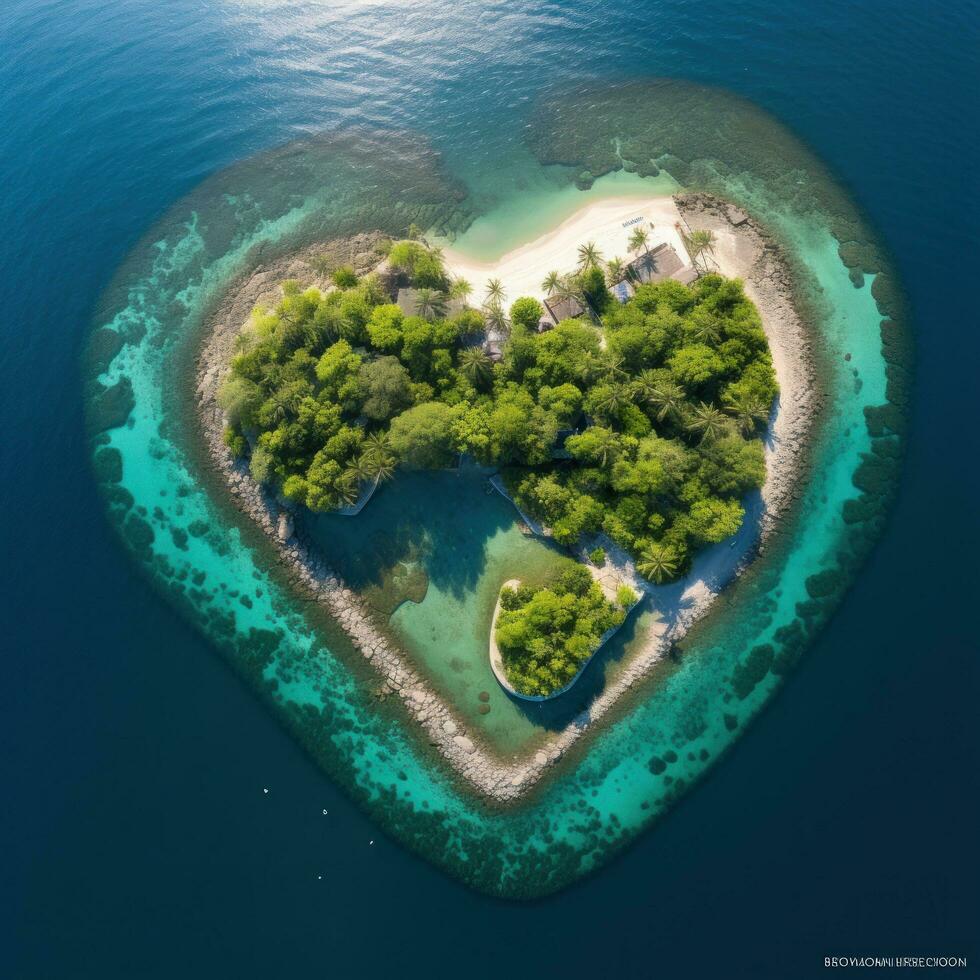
(109,406)
(103,346)
(108,465)
(752,670)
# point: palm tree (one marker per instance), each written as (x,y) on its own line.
(475,364)
(639,240)
(495,318)
(615,270)
(378,457)
(378,444)
(589,256)
(699,242)
(244,341)
(704,331)
(495,292)
(614,364)
(591,367)
(569,287)
(551,283)
(707,420)
(323,329)
(606,445)
(748,412)
(293,332)
(460,289)
(286,312)
(645,383)
(430,304)
(665,397)
(362,468)
(348,488)
(612,399)
(285,403)
(658,562)
(381,467)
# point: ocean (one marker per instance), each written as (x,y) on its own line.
(141,838)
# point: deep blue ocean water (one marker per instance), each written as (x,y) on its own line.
(138,838)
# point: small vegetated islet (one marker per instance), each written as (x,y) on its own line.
(647,429)
(546,634)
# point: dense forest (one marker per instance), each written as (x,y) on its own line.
(644,424)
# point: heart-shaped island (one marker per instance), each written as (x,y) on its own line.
(531,505)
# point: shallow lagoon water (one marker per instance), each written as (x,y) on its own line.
(440,547)
(627,772)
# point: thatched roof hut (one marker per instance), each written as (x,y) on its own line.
(563,308)
(657,264)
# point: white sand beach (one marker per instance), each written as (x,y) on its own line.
(607,222)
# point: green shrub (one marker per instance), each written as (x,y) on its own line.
(526,312)
(625,596)
(235,441)
(344,277)
(421,437)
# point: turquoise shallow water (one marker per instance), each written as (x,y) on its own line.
(430,553)
(539,202)
(628,772)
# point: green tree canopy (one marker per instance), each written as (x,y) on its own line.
(386,387)
(421,437)
(545,635)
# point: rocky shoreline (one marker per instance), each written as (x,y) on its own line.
(743,250)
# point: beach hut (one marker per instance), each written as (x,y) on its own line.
(656,265)
(686,275)
(563,308)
